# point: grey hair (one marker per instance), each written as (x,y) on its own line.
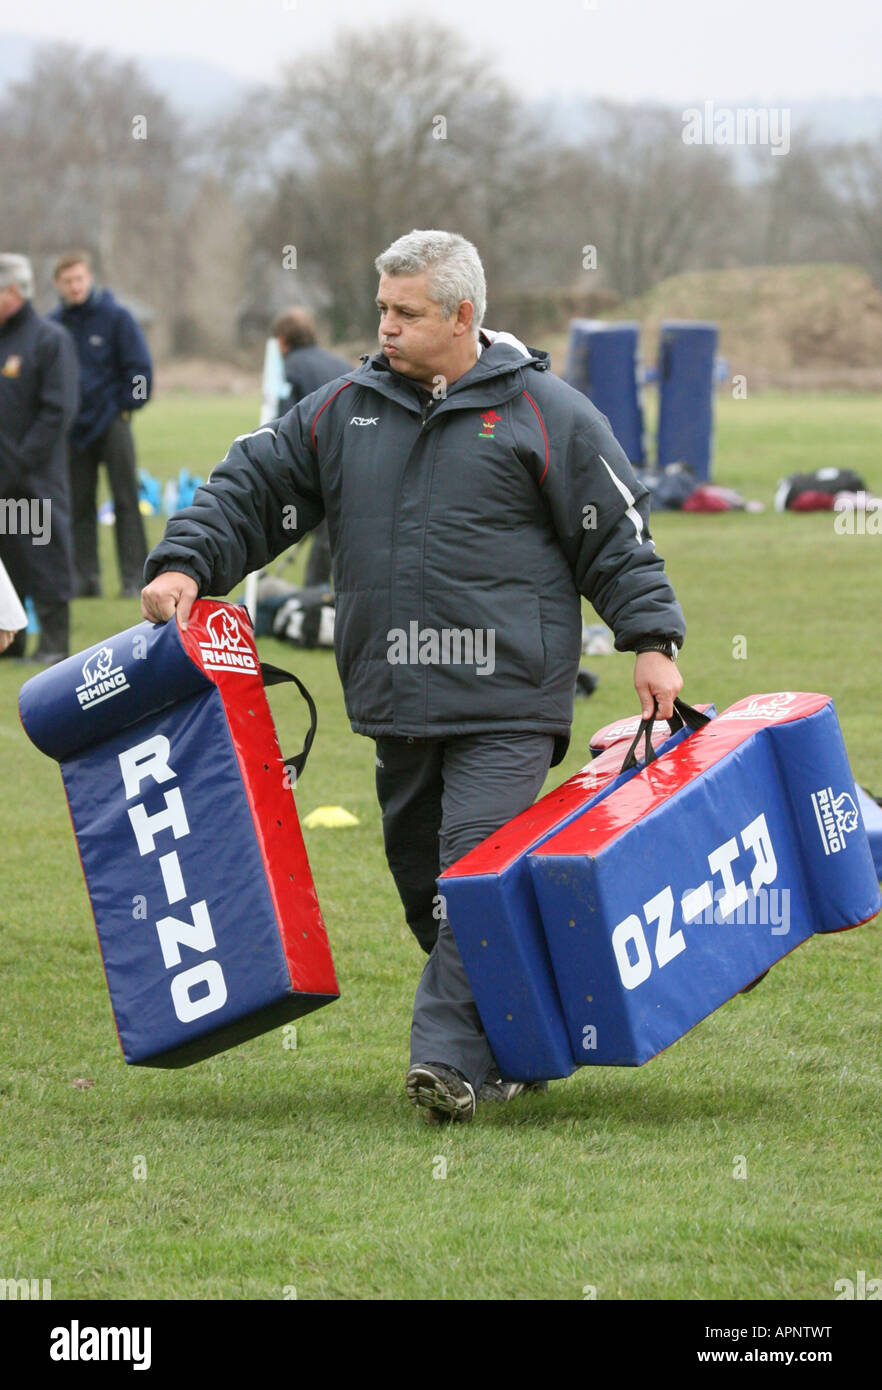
(454,266)
(16,270)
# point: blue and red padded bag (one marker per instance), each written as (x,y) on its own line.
(204,904)
(689,881)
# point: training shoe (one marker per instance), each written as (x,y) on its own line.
(441,1091)
(498,1091)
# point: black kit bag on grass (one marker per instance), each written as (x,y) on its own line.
(829,480)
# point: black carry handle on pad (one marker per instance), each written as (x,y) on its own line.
(274,675)
(684,716)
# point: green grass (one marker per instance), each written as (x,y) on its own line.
(269,1167)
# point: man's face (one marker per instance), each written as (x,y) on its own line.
(74,284)
(10,302)
(414,336)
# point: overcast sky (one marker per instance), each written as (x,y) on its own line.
(673,50)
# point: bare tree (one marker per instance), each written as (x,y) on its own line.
(660,206)
(292,197)
(409,127)
(857,179)
(790,207)
(91,156)
(380,134)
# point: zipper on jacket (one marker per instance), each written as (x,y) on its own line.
(426,403)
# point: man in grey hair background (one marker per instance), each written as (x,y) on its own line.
(457,475)
(38,403)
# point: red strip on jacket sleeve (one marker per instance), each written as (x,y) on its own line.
(544,435)
(325,406)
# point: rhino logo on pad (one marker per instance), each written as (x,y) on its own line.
(837,816)
(98,666)
(763,707)
(846,813)
(101,679)
(229,648)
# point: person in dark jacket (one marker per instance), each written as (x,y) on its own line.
(116,375)
(38,403)
(307,367)
(471,498)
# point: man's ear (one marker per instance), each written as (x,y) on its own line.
(464,315)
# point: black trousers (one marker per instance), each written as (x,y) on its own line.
(440,798)
(116,449)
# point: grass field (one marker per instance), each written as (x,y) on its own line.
(272,1168)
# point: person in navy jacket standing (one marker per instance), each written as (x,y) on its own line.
(38,404)
(116,374)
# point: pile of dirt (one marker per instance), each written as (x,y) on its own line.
(803,326)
